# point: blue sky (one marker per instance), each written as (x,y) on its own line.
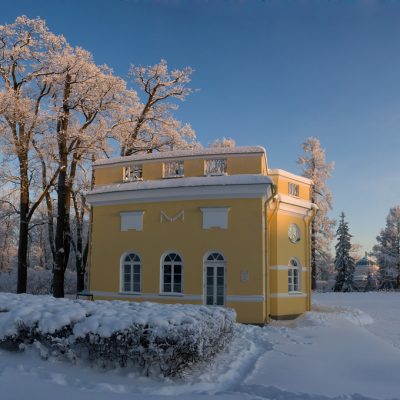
(270,73)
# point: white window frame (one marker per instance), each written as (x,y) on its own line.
(294,269)
(133,173)
(162,265)
(173,169)
(213,263)
(215,166)
(123,262)
(293,189)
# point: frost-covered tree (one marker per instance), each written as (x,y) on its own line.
(316,168)
(26,50)
(85,100)
(387,251)
(151,125)
(224,142)
(344,262)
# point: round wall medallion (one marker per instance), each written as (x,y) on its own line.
(294,233)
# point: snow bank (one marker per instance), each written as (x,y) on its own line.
(159,338)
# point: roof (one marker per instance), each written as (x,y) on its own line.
(246,179)
(366,261)
(289,175)
(212,151)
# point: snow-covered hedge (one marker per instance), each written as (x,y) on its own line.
(158,338)
(39,281)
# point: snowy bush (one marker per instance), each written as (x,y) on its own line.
(159,338)
(39,281)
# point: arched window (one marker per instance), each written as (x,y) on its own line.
(130,273)
(172,273)
(294,273)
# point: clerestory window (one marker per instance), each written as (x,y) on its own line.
(133,172)
(293,189)
(173,169)
(215,167)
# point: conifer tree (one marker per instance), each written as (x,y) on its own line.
(344,262)
(319,171)
(387,251)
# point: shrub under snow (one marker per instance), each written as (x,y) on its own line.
(159,338)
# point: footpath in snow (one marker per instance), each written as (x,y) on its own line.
(347,348)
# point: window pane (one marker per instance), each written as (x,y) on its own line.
(127,286)
(220,300)
(220,281)
(167,278)
(177,278)
(220,271)
(136,286)
(220,290)
(167,287)
(210,280)
(136,269)
(177,269)
(177,287)
(210,290)
(167,269)
(210,300)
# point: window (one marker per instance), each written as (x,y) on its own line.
(173,169)
(172,271)
(216,167)
(293,189)
(133,172)
(294,276)
(130,271)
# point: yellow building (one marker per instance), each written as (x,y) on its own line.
(212,226)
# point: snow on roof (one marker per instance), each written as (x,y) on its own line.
(181,154)
(289,175)
(245,179)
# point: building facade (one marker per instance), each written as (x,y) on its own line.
(211,226)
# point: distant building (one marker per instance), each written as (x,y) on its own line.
(211,226)
(366,273)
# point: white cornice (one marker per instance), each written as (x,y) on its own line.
(283,198)
(180,193)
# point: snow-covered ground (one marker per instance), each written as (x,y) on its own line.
(347,348)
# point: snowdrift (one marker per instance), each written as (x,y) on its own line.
(159,338)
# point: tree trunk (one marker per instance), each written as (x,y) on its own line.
(23,226)
(62,195)
(59,268)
